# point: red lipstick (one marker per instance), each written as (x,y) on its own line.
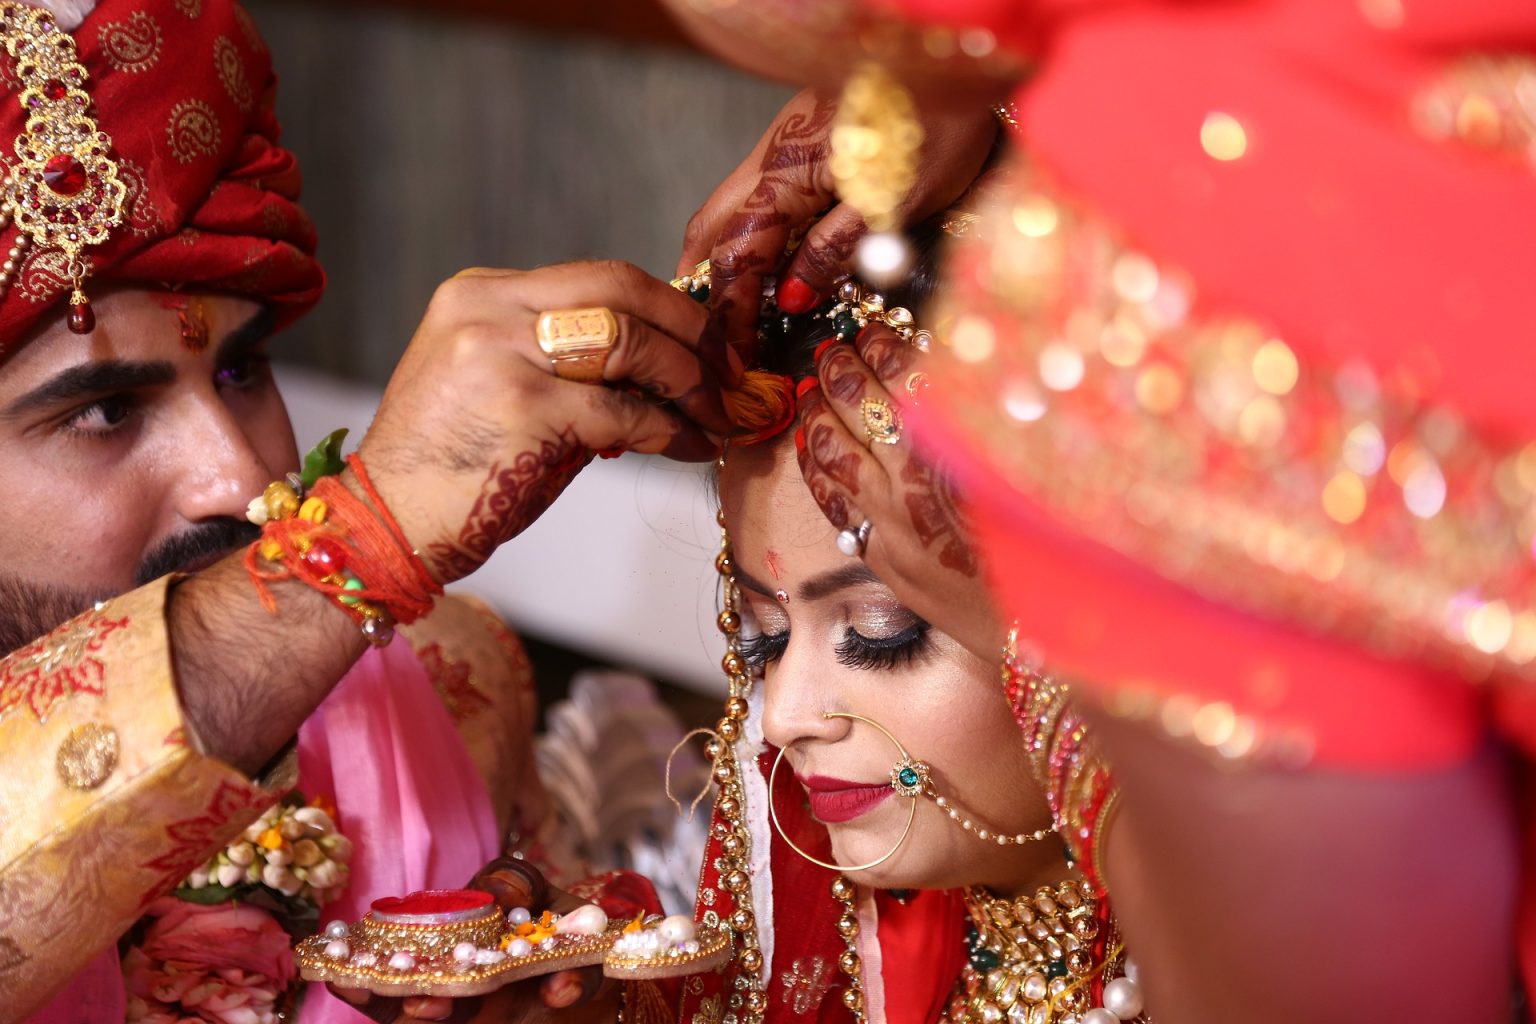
(834,801)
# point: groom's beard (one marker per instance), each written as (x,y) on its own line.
(28,610)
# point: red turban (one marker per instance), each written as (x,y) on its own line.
(185,89)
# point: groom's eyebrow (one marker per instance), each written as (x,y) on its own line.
(91,380)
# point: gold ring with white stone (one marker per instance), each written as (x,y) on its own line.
(578,341)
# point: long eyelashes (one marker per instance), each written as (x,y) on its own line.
(855,650)
(895,651)
(757,651)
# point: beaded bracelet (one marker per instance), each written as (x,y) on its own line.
(318,532)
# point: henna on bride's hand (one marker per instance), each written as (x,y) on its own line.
(832,501)
(826,260)
(512,496)
(841,375)
(887,354)
(937,518)
(832,458)
(788,170)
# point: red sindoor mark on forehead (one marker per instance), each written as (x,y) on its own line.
(775,564)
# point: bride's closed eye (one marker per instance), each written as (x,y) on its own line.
(855,650)
(895,650)
(759,649)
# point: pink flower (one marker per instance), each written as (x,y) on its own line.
(229,936)
(207,965)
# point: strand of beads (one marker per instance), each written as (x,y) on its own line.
(981,832)
(748,1004)
(848,927)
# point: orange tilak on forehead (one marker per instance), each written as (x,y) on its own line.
(193,319)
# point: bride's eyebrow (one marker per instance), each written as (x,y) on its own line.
(829,583)
(817,587)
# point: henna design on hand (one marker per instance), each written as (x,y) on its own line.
(841,375)
(832,502)
(511,498)
(828,259)
(937,518)
(887,354)
(749,242)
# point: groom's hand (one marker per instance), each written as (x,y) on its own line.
(477,434)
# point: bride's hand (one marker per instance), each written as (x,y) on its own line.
(783,185)
(918,541)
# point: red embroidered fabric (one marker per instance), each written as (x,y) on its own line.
(185,90)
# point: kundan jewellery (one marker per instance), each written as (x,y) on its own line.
(1040,957)
(63,193)
(853,308)
(578,341)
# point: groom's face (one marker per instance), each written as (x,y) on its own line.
(131,452)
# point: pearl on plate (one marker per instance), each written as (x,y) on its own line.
(677,929)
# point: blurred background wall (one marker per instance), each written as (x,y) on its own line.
(442,134)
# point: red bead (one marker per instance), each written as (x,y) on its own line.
(64,174)
(325,556)
(82,319)
(55,89)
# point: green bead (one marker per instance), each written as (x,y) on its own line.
(352,584)
(1056,969)
(907,777)
(699,293)
(845,326)
(984,960)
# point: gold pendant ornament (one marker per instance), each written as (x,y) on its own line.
(64,193)
(876,141)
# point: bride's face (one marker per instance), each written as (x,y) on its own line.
(832,637)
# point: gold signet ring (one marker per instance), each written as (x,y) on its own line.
(577,341)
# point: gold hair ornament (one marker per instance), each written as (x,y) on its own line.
(64,193)
(875,144)
(854,307)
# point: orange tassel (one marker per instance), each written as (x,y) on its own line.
(763,406)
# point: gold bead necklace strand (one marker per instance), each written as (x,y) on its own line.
(848,927)
(748,1004)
